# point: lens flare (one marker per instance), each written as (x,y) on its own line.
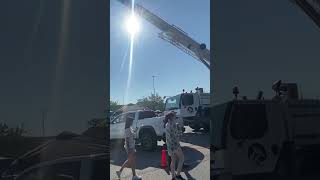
(132,27)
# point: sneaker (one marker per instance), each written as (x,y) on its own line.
(180,177)
(118,174)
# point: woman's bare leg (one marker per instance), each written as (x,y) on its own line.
(133,164)
(172,165)
(127,163)
(180,156)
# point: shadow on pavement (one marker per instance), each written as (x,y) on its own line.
(153,159)
(197,138)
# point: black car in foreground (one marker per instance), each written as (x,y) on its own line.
(4,163)
(85,167)
(68,156)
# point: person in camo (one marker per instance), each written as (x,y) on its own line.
(173,145)
(130,148)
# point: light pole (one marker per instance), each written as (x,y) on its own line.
(44,115)
(154,90)
(154,93)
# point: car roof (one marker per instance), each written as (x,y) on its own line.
(127,112)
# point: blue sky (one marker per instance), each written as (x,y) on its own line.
(256,46)
(174,69)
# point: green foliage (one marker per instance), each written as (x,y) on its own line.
(114,105)
(95,122)
(154,102)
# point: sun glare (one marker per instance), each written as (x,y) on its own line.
(132,25)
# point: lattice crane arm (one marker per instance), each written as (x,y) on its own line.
(173,34)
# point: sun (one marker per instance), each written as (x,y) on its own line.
(132,25)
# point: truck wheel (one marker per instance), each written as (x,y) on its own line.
(148,141)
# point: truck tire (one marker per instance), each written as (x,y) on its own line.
(148,140)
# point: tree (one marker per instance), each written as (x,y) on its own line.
(114,105)
(6,131)
(3,129)
(154,102)
(97,122)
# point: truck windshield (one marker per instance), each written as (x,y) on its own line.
(172,103)
(187,99)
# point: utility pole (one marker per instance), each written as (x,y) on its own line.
(44,114)
(154,90)
(154,93)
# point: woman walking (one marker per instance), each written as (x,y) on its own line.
(130,148)
(173,145)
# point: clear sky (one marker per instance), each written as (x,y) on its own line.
(259,42)
(174,69)
(52,58)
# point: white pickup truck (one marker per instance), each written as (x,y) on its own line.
(149,128)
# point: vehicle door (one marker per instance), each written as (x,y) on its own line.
(254,138)
(188,105)
(146,118)
(117,127)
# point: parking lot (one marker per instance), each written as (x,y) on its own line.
(195,146)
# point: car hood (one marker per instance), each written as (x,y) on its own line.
(64,146)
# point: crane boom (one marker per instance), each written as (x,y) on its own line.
(311,8)
(173,34)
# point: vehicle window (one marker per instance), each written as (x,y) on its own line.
(100,170)
(248,121)
(187,99)
(172,103)
(130,115)
(146,114)
(119,119)
(53,172)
